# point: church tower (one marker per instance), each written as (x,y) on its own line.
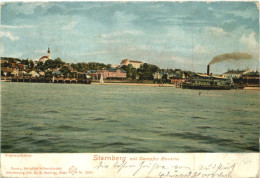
(49,53)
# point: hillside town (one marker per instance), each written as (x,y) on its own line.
(47,70)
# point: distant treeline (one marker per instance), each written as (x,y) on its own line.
(53,64)
(11,59)
(145,72)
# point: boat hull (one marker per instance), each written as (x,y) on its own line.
(206,87)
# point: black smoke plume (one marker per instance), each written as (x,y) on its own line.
(230,56)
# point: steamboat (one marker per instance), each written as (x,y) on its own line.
(208,82)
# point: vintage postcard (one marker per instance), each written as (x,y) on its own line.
(130,89)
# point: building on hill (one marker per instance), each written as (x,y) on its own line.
(57,73)
(92,73)
(6,71)
(158,75)
(68,65)
(42,73)
(45,58)
(16,72)
(74,70)
(135,64)
(113,65)
(19,66)
(4,61)
(11,71)
(34,74)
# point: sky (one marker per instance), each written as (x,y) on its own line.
(173,35)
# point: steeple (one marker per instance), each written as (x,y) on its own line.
(49,53)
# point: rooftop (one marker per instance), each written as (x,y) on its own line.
(56,72)
(6,69)
(44,57)
(115,69)
(91,71)
(124,61)
(251,73)
(209,76)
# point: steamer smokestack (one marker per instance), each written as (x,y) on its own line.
(208,70)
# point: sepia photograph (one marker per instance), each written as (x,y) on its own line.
(130,77)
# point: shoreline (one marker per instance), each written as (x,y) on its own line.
(252,88)
(136,84)
(157,85)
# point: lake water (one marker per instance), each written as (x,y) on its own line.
(49,118)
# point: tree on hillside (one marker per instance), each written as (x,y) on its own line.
(153,68)
(48,74)
(25,62)
(52,64)
(75,66)
(146,71)
(31,64)
(40,66)
(165,79)
(65,70)
(134,73)
(58,62)
(131,71)
(10,59)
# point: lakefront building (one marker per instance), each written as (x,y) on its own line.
(33,73)
(112,73)
(251,79)
(177,79)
